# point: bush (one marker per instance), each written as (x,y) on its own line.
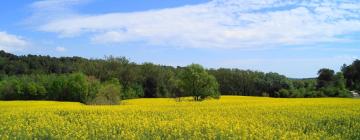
(108,94)
(94,86)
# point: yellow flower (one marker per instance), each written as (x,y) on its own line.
(231,117)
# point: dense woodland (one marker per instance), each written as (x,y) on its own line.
(106,81)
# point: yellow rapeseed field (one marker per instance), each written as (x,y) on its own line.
(231,117)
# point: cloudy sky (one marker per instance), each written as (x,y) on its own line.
(294,38)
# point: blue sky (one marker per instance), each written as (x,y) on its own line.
(294,38)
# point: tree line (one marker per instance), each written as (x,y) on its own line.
(66,87)
(30,77)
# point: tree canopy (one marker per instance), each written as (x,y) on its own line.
(198,83)
(31,77)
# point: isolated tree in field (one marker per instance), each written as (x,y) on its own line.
(198,83)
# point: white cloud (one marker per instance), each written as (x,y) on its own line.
(219,24)
(9,42)
(48,10)
(60,49)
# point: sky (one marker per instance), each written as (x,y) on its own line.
(291,37)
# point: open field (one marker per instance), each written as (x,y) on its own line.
(228,118)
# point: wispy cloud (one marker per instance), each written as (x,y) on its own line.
(9,42)
(45,11)
(217,24)
(60,49)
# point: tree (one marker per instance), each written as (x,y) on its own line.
(94,86)
(325,78)
(79,79)
(282,93)
(11,89)
(150,80)
(134,91)
(31,90)
(77,87)
(332,85)
(198,83)
(108,94)
(352,75)
(276,82)
(57,88)
(339,80)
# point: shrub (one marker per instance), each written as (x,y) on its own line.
(108,94)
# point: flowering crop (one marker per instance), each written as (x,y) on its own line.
(231,117)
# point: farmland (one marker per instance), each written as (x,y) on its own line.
(231,117)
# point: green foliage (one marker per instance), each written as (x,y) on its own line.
(135,91)
(327,84)
(108,94)
(77,87)
(198,83)
(282,93)
(79,79)
(332,85)
(352,75)
(326,78)
(93,89)
(69,87)
(33,90)
(335,92)
(57,88)
(250,83)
